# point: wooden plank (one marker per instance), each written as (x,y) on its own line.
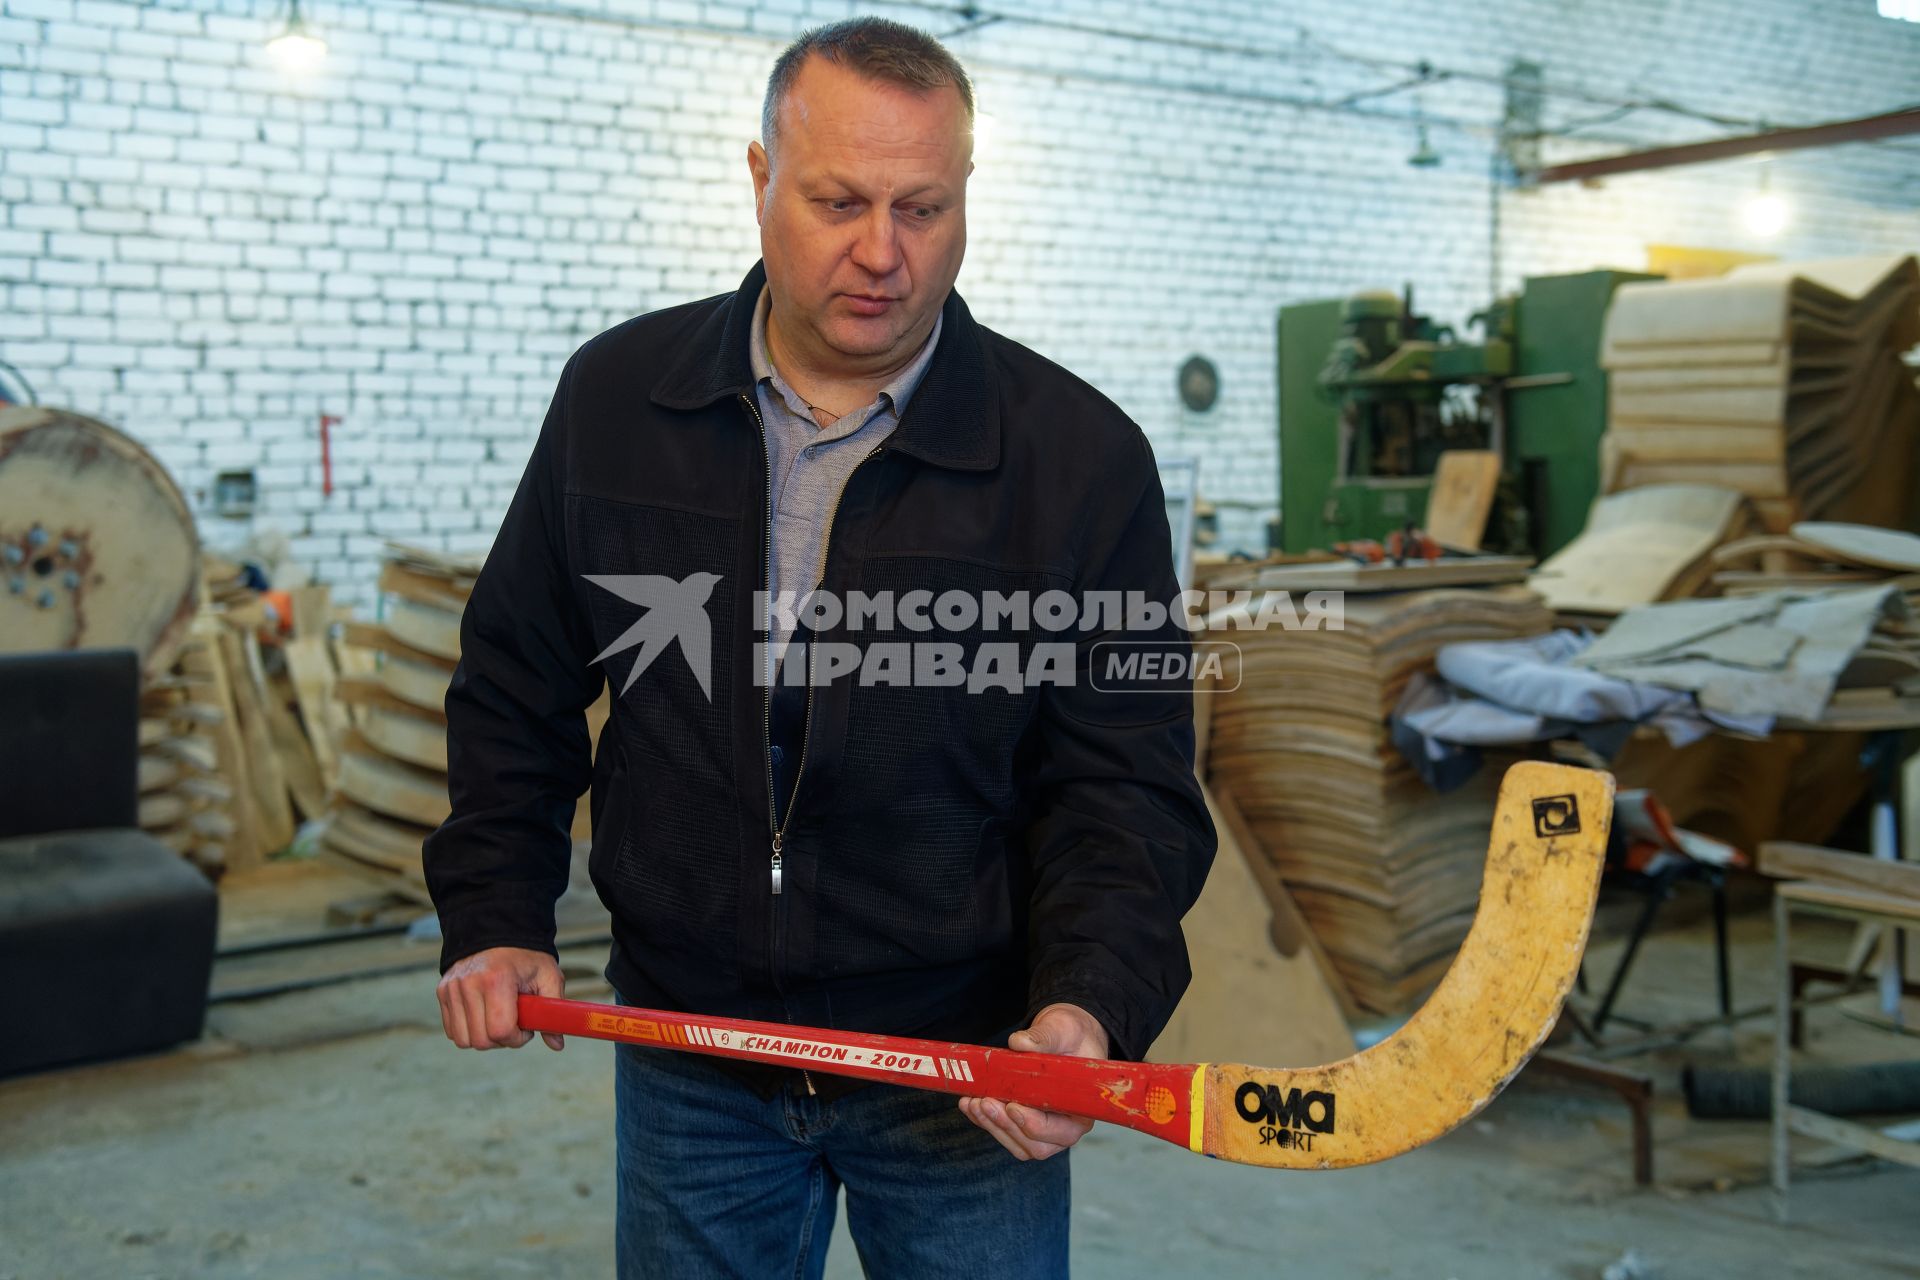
(294,749)
(310,667)
(1640,545)
(1289,929)
(414,683)
(310,671)
(1757,548)
(359,691)
(1856,1136)
(336,856)
(344,840)
(1910,815)
(1890,549)
(162,810)
(247,849)
(156,771)
(1663,443)
(1760,480)
(1416,575)
(393,839)
(425,627)
(1849,902)
(371,635)
(459,570)
(391,787)
(1464,483)
(267,779)
(406,737)
(1246,999)
(192,751)
(1787,860)
(424,588)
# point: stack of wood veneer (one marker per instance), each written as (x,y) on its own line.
(1385,871)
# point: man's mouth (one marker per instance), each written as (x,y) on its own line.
(868,305)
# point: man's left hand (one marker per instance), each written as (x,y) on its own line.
(1028,1132)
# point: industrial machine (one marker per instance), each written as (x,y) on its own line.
(1372,393)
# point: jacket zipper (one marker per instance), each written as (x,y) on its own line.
(766,577)
(777,827)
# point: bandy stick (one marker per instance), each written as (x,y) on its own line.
(1491,1011)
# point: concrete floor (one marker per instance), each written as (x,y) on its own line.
(335,1133)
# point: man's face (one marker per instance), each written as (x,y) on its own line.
(863,217)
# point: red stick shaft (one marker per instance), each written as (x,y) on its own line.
(1151,1097)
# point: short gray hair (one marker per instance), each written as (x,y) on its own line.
(877,48)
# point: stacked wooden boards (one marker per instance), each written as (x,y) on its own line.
(1880,687)
(186,801)
(1819,554)
(1386,872)
(392,786)
(1325,572)
(236,736)
(1784,381)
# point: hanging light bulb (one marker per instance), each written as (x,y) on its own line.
(1765,213)
(1424,156)
(297,50)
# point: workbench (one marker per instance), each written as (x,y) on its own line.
(1847,902)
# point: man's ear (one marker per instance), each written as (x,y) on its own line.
(761,167)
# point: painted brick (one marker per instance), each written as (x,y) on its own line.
(417,239)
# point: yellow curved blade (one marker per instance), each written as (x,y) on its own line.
(1491,1011)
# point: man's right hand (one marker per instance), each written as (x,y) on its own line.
(480,996)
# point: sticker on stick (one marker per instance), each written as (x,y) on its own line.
(1556,816)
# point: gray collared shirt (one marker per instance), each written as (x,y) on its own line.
(808,464)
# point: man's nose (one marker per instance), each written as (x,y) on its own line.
(876,245)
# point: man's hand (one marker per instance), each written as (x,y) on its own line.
(1028,1132)
(480,996)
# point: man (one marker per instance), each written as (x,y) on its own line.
(995,861)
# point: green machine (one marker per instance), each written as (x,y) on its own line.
(1371,393)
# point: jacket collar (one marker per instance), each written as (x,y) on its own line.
(953,419)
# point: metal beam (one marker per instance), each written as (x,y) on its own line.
(1892,124)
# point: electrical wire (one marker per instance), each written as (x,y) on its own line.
(1411,74)
(1308,38)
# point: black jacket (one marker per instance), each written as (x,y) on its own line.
(953,861)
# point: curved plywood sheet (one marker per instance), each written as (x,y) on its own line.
(414,682)
(390,787)
(424,626)
(406,737)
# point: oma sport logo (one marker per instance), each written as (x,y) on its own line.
(1289,1119)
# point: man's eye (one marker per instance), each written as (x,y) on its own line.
(921,212)
(839,206)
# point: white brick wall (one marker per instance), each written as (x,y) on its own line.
(211,255)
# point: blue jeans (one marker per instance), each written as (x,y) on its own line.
(716,1181)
